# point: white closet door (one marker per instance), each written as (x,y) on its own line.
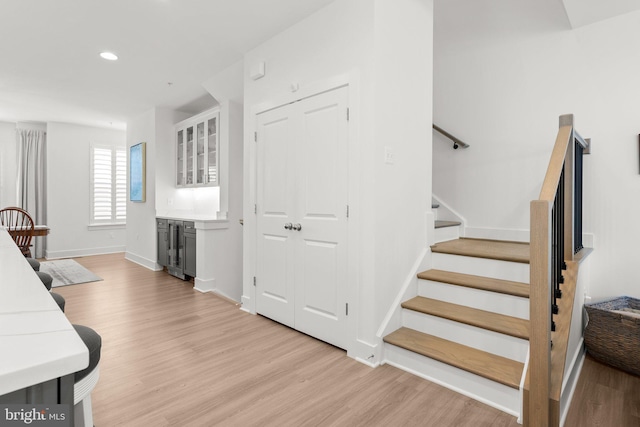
(275,209)
(321,253)
(302,181)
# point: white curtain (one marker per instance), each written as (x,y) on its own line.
(31,180)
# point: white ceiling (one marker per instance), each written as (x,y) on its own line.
(50,69)
(585,12)
(472,22)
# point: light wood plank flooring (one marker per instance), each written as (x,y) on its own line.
(175,357)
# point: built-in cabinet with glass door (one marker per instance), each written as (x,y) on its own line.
(197,149)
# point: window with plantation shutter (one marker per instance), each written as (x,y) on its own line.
(108,185)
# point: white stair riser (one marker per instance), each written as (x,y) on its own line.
(481,389)
(505,270)
(435,213)
(471,336)
(445,234)
(495,302)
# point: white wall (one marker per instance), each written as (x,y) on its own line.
(68,192)
(156,128)
(141,223)
(227,87)
(403,61)
(504,96)
(8,164)
(383,50)
(335,41)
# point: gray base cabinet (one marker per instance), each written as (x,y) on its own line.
(189,249)
(177,247)
(162,225)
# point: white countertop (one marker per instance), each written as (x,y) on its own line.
(186,216)
(202,222)
(37,342)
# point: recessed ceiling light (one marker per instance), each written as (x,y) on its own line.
(109,56)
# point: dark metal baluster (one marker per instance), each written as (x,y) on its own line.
(554,249)
(577,209)
(557,248)
(560,254)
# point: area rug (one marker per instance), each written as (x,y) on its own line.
(67,272)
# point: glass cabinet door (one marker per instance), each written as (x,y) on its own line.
(180,158)
(212,150)
(189,155)
(198,150)
(200,159)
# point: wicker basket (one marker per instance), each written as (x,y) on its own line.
(612,334)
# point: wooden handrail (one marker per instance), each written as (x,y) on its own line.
(553,212)
(556,163)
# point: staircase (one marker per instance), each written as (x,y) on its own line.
(468,328)
(445,229)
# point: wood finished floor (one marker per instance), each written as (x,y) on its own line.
(172,356)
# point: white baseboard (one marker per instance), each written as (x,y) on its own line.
(145,262)
(204,285)
(366,353)
(208,286)
(572,374)
(219,294)
(246,305)
(83,252)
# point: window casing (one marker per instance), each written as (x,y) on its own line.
(108,185)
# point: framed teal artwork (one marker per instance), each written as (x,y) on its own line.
(137,172)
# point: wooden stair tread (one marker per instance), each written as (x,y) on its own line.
(496,368)
(507,325)
(484,248)
(507,287)
(443,224)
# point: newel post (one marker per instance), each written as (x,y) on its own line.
(540,314)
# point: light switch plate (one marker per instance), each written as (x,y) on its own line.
(389,156)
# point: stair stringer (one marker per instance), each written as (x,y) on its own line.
(447,213)
(576,350)
(409,289)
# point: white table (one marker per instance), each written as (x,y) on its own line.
(37,342)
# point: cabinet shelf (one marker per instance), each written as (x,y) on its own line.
(197,148)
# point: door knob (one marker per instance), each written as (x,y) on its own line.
(288,226)
(296,227)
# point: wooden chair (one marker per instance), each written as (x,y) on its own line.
(20,226)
